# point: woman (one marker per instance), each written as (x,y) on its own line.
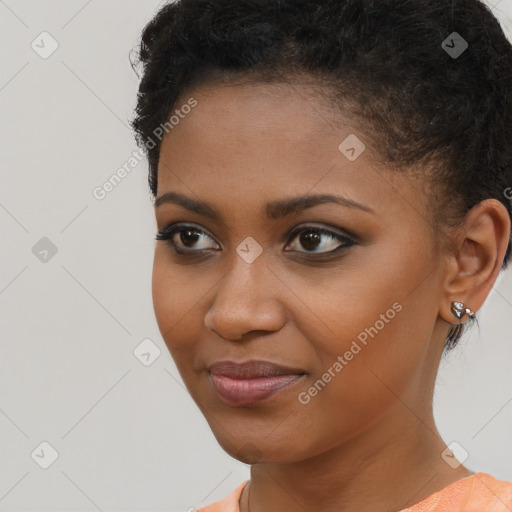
(329,180)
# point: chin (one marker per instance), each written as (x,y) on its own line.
(256,451)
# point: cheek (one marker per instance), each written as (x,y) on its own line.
(365,379)
(176,298)
(163,290)
(357,302)
(371,332)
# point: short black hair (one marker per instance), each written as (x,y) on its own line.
(395,63)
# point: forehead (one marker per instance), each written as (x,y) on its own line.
(254,113)
(269,141)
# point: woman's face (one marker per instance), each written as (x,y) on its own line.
(354,309)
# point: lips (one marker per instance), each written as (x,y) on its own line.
(251,369)
(251,381)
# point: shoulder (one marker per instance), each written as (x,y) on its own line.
(475,493)
(228,504)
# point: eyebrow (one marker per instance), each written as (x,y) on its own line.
(275,209)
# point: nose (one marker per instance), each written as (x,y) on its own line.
(246,300)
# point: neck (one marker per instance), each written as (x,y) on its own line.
(390,466)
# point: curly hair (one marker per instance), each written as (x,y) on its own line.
(384,62)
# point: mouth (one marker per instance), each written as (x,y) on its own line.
(252,381)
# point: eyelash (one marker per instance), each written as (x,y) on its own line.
(167,234)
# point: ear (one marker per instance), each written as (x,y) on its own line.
(476,256)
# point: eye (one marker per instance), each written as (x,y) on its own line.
(321,240)
(186,239)
(190,240)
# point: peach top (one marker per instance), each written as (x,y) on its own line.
(480,492)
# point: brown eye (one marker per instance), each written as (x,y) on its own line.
(320,240)
(310,240)
(186,239)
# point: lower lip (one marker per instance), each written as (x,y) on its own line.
(248,391)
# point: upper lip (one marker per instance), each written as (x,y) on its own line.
(252,369)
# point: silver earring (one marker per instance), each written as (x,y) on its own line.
(459,310)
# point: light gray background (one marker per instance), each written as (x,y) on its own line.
(128,436)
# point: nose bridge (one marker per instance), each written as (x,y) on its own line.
(246,274)
(244,299)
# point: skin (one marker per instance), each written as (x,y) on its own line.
(367,440)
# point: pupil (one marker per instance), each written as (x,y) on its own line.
(194,236)
(310,240)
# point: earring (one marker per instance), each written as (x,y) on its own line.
(459,310)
